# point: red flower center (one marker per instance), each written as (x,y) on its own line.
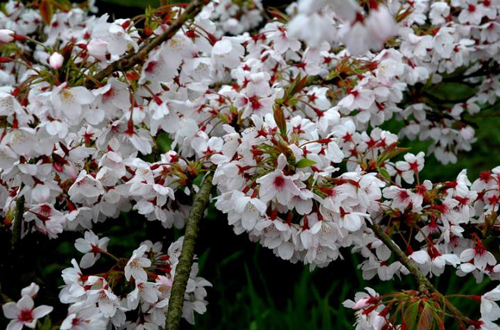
(403,195)
(26,316)
(45,209)
(279,182)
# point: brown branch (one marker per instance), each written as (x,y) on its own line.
(183,269)
(130,60)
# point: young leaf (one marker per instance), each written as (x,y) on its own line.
(304,162)
(411,314)
(279,117)
(46,11)
(426,321)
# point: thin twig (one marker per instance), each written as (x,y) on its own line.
(130,60)
(183,268)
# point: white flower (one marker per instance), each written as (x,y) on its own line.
(136,264)
(489,308)
(411,166)
(71,100)
(84,317)
(277,184)
(23,313)
(92,246)
(85,186)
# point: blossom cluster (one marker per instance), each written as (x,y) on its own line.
(288,118)
(150,274)
(147,277)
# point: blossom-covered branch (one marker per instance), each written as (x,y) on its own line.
(130,60)
(103,116)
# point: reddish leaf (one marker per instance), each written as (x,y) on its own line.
(426,321)
(46,11)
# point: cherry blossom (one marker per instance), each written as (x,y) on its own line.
(24,313)
(288,116)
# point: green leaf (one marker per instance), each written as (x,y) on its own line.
(304,162)
(332,74)
(47,324)
(278,14)
(384,173)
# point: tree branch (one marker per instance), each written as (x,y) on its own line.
(183,269)
(130,60)
(423,282)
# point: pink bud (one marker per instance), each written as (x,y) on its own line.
(362,303)
(56,61)
(6,35)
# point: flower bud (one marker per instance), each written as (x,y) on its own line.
(56,61)
(6,35)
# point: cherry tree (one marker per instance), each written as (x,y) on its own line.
(275,117)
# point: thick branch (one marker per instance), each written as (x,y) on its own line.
(183,268)
(130,60)
(423,281)
(18,222)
